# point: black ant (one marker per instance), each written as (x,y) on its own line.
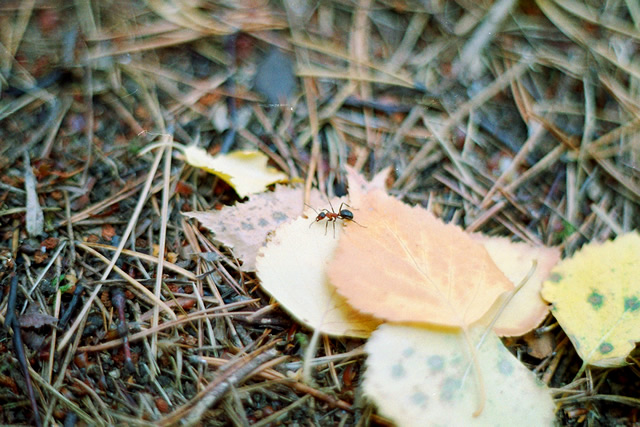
(343,214)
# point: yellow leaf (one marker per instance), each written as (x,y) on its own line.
(408,266)
(422,377)
(596,299)
(526,309)
(246,171)
(292,268)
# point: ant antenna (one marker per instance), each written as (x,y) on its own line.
(309,206)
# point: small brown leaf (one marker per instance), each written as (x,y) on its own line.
(108,232)
(49,243)
(34,319)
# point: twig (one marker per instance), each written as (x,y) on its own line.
(118,301)
(75,299)
(222,384)
(11,321)
(273,375)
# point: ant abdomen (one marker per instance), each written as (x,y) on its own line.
(346,214)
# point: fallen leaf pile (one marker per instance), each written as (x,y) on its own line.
(596,299)
(403,265)
(409,267)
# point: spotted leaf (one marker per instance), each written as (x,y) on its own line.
(424,377)
(595,297)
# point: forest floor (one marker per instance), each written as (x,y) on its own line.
(517,119)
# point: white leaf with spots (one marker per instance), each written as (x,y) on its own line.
(423,377)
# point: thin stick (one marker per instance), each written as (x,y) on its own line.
(222,384)
(12,322)
(170,266)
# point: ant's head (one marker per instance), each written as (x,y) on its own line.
(322,215)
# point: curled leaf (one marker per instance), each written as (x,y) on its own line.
(35,217)
(35,319)
(245,171)
(526,309)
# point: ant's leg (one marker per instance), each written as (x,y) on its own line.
(332,211)
(334,228)
(325,227)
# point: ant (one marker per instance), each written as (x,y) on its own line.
(343,214)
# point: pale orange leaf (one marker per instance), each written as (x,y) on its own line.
(359,186)
(408,266)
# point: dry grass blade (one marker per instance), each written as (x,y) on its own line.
(162,242)
(209,313)
(469,61)
(62,398)
(65,339)
(573,31)
(123,194)
(338,52)
(170,266)
(153,299)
